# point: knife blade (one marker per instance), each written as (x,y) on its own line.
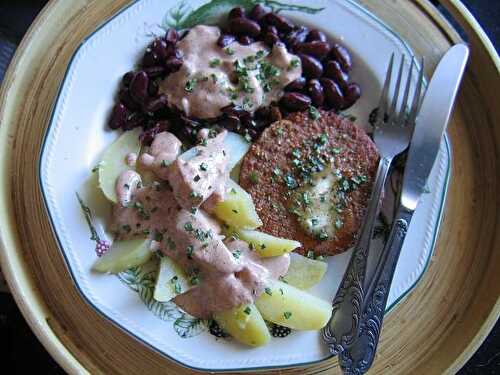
(431,123)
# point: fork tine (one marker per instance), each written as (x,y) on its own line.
(402,112)
(416,98)
(392,111)
(382,105)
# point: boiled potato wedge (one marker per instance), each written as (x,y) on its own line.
(288,306)
(245,324)
(171,280)
(236,147)
(304,272)
(237,210)
(267,245)
(124,255)
(113,161)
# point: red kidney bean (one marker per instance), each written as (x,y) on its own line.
(245,40)
(150,58)
(316,35)
(153,88)
(311,67)
(295,101)
(334,71)
(244,26)
(118,116)
(257,12)
(139,87)
(271,39)
(155,71)
(333,94)
(236,12)
(225,40)
(296,37)
(262,113)
(282,24)
(171,36)
(351,94)
(270,29)
(315,92)
(296,85)
(127,77)
(154,105)
(275,113)
(316,48)
(159,48)
(341,54)
(127,100)
(133,120)
(173,64)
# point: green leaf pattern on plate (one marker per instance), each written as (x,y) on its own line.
(182,16)
(142,279)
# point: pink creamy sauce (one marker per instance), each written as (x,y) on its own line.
(224,273)
(211,77)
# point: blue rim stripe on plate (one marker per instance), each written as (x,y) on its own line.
(123,328)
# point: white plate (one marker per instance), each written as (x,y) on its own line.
(77,136)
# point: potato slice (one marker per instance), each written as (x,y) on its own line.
(124,255)
(245,324)
(288,306)
(237,209)
(267,245)
(236,146)
(171,280)
(304,272)
(113,161)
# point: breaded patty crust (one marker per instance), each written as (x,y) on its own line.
(284,163)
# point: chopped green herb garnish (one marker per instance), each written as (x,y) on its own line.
(254,178)
(290,182)
(229,51)
(196,178)
(294,63)
(189,251)
(237,254)
(287,314)
(190,84)
(214,63)
(310,254)
(188,227)
(176,284)
(313,113)
(268,291)
(203,167)
(195,280)
(247,310)
(314,221)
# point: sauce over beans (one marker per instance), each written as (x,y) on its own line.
(212,77)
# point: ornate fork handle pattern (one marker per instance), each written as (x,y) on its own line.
(359,355)
(347,304)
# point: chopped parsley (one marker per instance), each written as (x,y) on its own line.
(313,113)
(294,63)
(247,310)
(189,251)
(254,178)
(268,291)
(188,227)
(195,280)
(237,254)
(203,167)
(287,314)
(229,51)
(214,63)
(176,284)
(190,85)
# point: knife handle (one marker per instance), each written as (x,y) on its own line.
(361,353)
(343,325)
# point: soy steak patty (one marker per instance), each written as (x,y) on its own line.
(282,162)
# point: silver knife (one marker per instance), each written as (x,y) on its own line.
(424,147)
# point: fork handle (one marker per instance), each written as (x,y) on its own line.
(343,325)
(360,355)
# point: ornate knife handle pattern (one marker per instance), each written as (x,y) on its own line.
(358,357)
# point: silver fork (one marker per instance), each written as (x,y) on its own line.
(392,133)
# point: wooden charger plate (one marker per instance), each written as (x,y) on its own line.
(434,330)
